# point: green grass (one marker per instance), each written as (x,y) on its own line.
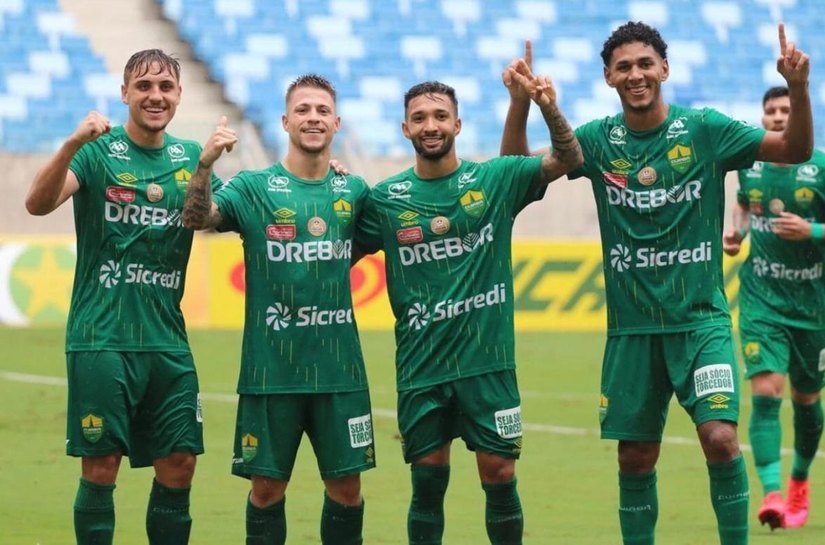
(567,475)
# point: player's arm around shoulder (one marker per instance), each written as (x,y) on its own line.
(55,183)
(199,210)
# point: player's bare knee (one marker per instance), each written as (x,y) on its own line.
(346,491)
(176,470)
(719,441)
(637,458)
(101,469)
(266,491)
(494,469)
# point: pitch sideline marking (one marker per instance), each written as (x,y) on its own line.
(45,380)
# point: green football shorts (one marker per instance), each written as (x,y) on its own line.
(484,410)
(269,428)
(640,374)
(775,348)
(145,405)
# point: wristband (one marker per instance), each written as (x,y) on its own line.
(817,231)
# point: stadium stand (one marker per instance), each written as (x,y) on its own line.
(722,54)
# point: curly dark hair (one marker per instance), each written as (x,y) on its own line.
(633,32)
(430,88)
(311,80)
(141,62)
(775,92)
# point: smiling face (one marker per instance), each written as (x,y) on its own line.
(431,124)
(637,71)
(152,94)
(310,119)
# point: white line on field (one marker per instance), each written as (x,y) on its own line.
(10,376)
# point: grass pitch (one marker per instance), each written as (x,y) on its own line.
(567,475)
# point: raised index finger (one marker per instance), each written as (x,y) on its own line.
(222,123)
(528,53)
(783,42)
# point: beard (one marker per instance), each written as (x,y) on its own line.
(434,155)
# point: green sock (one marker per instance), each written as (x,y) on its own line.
(94,513)
(504,517)
(638,508)
(807,425)
(167,516)
(341,524)
(266,526)
(766,441)
(729,495)
(425,519)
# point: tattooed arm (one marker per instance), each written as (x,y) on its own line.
(565,153)
(199,211)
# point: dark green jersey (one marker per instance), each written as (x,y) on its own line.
(299,329)
(782,280)
(132,249)
(660,200)
(447,243)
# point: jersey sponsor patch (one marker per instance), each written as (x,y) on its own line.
(316,226)
(713,379)
(154,192)
(410,235)
(360,431)
(280,232)
(508,423)
(120,194)
(647,176)
(619,180)
(440,225)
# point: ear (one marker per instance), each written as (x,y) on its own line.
(123,94)
(180,92)
(337,124)
(284,122)
(665,70)
(607,77)
(405,130)
(457,126)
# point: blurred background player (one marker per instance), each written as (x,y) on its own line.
(302,370)
(446,226)
(657,172)
(782,316)
(133,389)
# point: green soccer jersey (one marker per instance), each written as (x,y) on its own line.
(299,329)
(660,200)
(132,248)
(447,243)
(781,280)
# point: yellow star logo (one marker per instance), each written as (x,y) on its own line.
(45,273)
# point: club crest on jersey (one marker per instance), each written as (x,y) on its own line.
(439,225)
(343,210)
(316,226)
(92,427)
(473,203)
(120,194)
(617,135)
(182,178)
(803,197)
(280,232)
(410,235)
(755,201)
(249,447)
(154,192)
(680,158)
(752,352)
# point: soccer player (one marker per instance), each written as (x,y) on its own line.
(657,172)
(781,302)
(445,226)
(133,389)
(301,365)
